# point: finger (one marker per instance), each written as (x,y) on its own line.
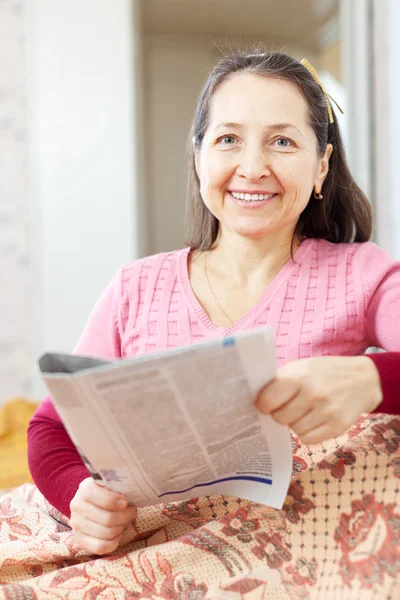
(95,545)
(308,422)
(86,527)
(317,435)
(324,428)
(276,394)
(107,518)
(101,497)
(339,419)
(293,410)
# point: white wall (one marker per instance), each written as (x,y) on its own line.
(83,157)
(174,75)
(15,259)
(355,24)
(393,142)
(386,90)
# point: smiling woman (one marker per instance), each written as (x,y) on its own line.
(259,152)
(280,238)
(264,146)
(262,120)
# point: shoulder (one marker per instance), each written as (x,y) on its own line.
(364,253)
(364,261)
(378,270)
(154,270)
(329,257)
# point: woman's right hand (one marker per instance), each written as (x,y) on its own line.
(98,517)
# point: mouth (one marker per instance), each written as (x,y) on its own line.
(251,200)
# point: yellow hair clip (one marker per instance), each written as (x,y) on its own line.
(314,74)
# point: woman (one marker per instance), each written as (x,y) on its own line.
(281,239)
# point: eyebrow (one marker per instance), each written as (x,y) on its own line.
(274,127)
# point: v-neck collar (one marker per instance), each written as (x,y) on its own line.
(262,302)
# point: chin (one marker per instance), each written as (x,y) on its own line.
(251,233)
(250,230)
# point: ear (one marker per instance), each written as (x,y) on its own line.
(323,169)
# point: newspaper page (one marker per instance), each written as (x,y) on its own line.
(178,424)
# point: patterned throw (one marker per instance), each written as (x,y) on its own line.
(337,537)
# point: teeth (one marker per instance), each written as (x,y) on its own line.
(251,197)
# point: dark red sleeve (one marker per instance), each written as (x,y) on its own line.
(54,462)
(388,365)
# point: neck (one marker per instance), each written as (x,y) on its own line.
(244,258)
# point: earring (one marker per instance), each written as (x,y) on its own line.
(318,196)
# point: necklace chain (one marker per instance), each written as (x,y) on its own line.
(231,321)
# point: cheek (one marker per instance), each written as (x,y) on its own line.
(297,178)
(215,170)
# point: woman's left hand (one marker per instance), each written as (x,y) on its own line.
(320,398)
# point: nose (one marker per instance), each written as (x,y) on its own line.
(253,165)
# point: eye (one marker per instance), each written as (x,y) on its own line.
(284,142)
(226,140)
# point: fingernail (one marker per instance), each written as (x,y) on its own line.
(122,503)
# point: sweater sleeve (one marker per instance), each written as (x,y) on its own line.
(380,276)
(54,462)
(388,366)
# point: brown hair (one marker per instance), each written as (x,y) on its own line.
(344,214)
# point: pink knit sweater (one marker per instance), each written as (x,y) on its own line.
(331,299)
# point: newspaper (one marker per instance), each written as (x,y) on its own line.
(177,424)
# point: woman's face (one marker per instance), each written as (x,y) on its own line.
(258,163)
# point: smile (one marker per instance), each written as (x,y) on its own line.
(251,197)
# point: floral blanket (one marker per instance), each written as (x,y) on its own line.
(337,537)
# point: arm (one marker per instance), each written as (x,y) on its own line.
(388,366)
(321,397)
(55,465)
(380,276)
(381,281)
(54,462)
